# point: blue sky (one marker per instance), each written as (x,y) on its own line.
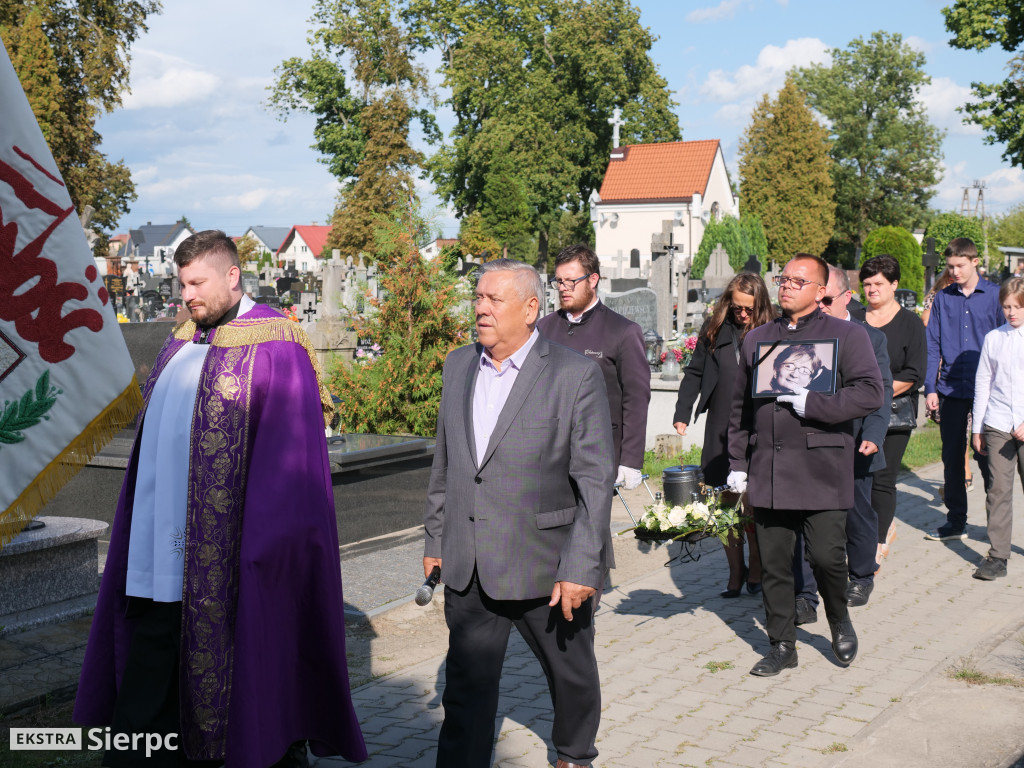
(200,142)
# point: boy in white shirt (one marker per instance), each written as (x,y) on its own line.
(999,422)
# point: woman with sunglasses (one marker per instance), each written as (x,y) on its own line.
(708,381)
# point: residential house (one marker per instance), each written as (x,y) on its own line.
(433,249)
(302,246)
(153,246)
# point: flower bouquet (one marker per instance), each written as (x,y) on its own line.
(683,352)
(692,522)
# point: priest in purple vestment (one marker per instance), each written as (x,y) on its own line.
(220,620)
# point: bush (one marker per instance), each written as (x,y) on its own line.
(902,246)
(947,226)
(727,232)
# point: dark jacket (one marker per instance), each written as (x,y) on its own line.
(616,344)
(701,375)
(874,426)
(804,463)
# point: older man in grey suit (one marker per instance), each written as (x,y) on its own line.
(518,513)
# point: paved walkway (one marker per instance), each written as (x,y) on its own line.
(675,657)
(674,661)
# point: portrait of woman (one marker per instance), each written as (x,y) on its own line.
(795,367)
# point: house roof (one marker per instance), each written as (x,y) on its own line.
(150,235)
(272,237)
(653,172)
(313,235)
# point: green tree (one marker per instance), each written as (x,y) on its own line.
(505,208)
(1000,106)
(72,59)
(417,323)
(902,246)
(785,175)
(755,241)
(475,239)
(249,250)
(887,155)
(536,81)
(947,226)
(361,129)
(1007,229)
(726,231)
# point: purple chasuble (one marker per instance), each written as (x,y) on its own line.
(263,633)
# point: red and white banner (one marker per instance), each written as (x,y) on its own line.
(66,381)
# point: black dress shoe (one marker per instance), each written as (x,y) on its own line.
(844,642)
(754,587)
(806,613)
(729,593)
(781,656)
(858,592)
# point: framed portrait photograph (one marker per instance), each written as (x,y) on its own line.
(785,367)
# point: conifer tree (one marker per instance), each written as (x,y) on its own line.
(784,175)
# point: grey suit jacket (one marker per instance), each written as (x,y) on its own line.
(536,507)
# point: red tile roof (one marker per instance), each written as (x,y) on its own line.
(668,171)
(313,235)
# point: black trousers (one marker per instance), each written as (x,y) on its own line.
(861,547)
(953,415)
(479,628)
(824,535)
(883,490)
(148,699)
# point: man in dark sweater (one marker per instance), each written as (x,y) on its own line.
(585,324)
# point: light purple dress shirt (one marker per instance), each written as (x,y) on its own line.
(492,390)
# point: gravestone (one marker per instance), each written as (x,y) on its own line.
(250,284)
(328,334)
(639,305)
(752,266)
(661,283)
(718,272)
(930,259)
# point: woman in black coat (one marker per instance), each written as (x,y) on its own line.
(708,381)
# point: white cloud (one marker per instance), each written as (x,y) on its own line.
(942,97)
(724,10)
(161,80)
(766,75)
(919,43)
(246,201)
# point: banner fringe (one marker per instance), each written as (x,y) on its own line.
(79,452)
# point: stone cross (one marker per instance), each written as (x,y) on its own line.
(331,297)
(718,272)
(616,121)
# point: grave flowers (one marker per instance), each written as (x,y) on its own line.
(700,519)
(682,349)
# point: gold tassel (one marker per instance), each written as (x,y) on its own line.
(70,461)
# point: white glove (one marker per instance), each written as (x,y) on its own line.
(737,481)
(630,478)
(797,400)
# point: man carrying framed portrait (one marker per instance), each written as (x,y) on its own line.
(793,451)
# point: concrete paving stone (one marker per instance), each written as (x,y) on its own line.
(841,726)
(748,755)
(525,715)
(718,712)
(411,748)
(396,734)
(794,726)
(742,726)
(763,711)
(767,738)
(856,710)
(715,739)
(694,727)
(695,756)
(800,757)
(617,711)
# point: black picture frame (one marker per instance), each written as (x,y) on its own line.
(811,364)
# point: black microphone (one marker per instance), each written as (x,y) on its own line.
(426,593)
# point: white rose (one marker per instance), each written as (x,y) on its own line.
(677,517)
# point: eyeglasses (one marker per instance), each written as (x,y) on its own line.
(570,283)
(792,282)
(744,310)
(792,368)
(827,300)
